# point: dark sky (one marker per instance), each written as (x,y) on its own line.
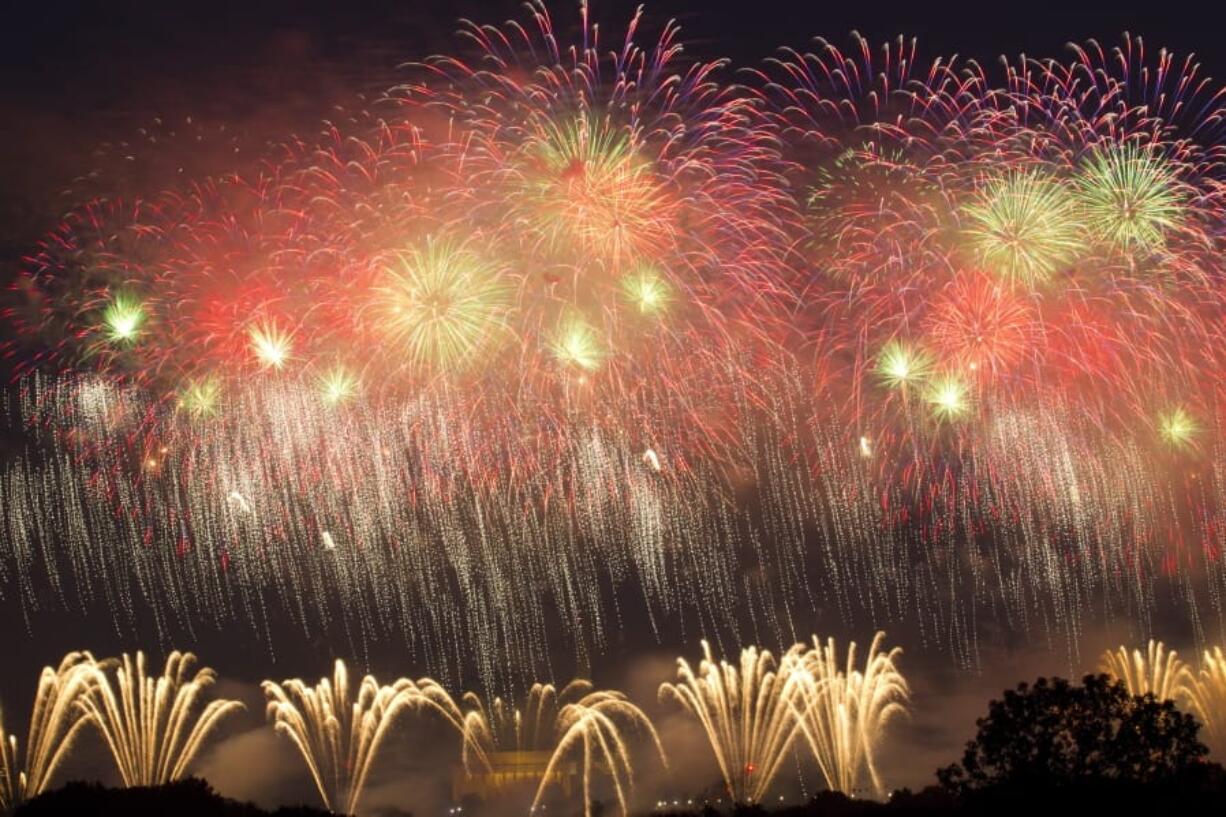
(75,79)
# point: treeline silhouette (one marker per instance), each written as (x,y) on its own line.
(190,797)
(1056,747)
(1051,747)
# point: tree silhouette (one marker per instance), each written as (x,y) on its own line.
(1056,734)
(189,797)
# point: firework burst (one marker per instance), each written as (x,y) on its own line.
(1129,197)
(901,365)
(582,184)
(427,355)
(1178,428)
(978,326)
(123,318)
(338,385)
(1157,671)
(948,398)
(1023,227)
(1208,698)
(271,345)
(444,305)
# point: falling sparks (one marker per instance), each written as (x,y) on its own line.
(594,725)
(843,711)
(1208,697)
(1157,671)
(887,347)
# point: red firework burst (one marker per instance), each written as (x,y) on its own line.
(978,325)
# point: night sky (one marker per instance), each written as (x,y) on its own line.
(82,87)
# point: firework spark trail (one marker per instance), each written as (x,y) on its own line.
(1208,697)
(240,510)
(1157,671)
(843,712)
(55,722)
(596,724)
(150,724)
(338,734)
(1162,673)
(499,726)
(248,542)
(746,712)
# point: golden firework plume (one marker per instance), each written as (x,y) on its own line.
(55,721)
(843,712)
(338,734)
(502,727)
(1208,698)
(150,724)
(746,712)
(1157,670)
(575,720)
(596,725)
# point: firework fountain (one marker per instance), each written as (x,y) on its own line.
(148,723)
(578,720)
(746,712)
(843,712)
(55,722)
(338,734)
